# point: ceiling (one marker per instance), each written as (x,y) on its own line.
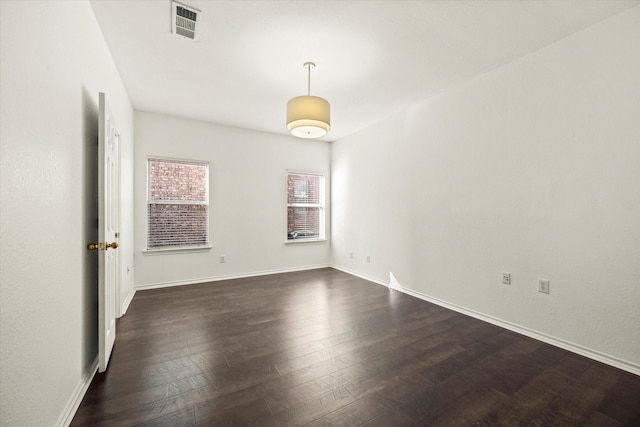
(373,57)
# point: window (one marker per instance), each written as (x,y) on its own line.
(177,204)
(305,206)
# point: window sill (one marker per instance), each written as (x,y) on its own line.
(301,241)
(177,250)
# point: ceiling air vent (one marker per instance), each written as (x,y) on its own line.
(184,20)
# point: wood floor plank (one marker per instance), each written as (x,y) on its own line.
(533,398)
(324,348)
(356,413)
(622,403)
(576,407)
(469,409)
(599,420)
(314,408)
(394,418)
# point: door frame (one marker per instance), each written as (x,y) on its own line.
(119,313)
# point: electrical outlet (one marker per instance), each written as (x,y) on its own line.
(351,255)
(543,286)
(223,259)
(506,278)
(368,258)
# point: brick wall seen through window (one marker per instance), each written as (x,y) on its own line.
(177,204)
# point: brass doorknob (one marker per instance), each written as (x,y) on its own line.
(102,246)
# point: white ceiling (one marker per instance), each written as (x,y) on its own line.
(373,57)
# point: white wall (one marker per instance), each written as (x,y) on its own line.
(248,196)
(532,169)
(54,62)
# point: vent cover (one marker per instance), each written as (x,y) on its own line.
(184,20)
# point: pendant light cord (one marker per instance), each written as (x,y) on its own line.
(309,66)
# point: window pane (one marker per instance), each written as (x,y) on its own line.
(300,191)
(303,189)
(303,223)
(177,225)
(170,180)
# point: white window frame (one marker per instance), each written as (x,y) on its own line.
(321,205)
(178,248)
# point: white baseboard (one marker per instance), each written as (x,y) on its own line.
(362,276)
(566,345)
(78,394)
(226,277)
(127,302)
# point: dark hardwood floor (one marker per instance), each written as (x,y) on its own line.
(324,348)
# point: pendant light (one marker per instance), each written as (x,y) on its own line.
(308,116)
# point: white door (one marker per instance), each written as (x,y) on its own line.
(108,217)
